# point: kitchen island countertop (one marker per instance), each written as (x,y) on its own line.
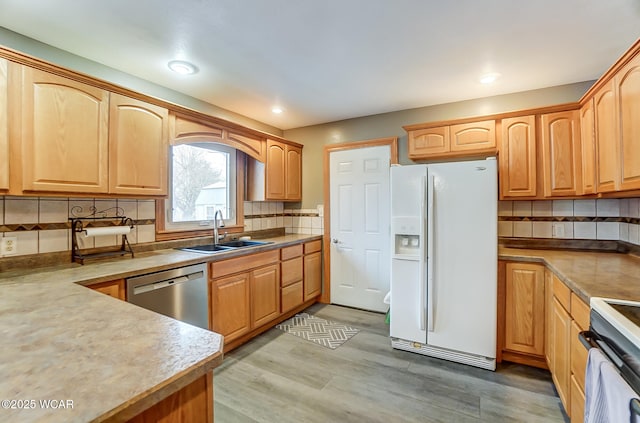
(588,274)
(95,357)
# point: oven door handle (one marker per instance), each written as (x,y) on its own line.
(634,406)
(586,339)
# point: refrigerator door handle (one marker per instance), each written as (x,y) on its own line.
(421,293)
(430,250)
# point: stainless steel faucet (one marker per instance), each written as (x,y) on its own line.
(216,237)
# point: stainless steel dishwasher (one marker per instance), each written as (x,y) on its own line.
(179,293)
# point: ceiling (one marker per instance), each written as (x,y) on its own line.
(329,60)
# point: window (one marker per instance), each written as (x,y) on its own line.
(203,180)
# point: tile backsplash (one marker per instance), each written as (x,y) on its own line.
(41,225)
(597,219)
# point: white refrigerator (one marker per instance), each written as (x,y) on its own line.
(444,260)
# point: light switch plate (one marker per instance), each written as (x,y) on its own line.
(8,245)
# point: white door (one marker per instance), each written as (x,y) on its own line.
(359,212)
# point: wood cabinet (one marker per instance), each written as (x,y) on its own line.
(607,149)
(578,357)
(524,311)
(461,139)
(138,147)
(283,172)
(312,270)
(475,136)
(4,124)
(628,85)
(518,157)
(280,177)
(548,310)
(230,306)
(560,362)
(561,154)
(265,294)
(588,144)
(64,134)
(193,403)
(115,289)
(428,142)
(291,279)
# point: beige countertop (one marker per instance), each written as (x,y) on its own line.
(588,274)
(62,341)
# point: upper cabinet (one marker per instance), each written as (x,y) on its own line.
(475,136)
(517,157)
(64,126)
(588,144)
(628,81)
(561,154)
(4,125)
(464,139)
(138,147)
(280,178)
(606,126)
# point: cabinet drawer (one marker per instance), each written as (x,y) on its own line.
(291,252)
(562,293)
(291,296)
(244,263)
(579,356)
(312,247)
(580,312)
(291,271)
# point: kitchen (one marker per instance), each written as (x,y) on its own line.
(536,216)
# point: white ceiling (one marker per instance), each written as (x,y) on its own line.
(326,60)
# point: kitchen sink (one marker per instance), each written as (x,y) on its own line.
(243,243)
(207,248)
(225,246)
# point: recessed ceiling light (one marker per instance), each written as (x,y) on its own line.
(277,110)
(182,67)
(489,78)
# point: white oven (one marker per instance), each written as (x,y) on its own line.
(615,331)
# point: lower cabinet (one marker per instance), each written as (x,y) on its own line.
(251,293)
(537,301)
(312,270)
(115,289)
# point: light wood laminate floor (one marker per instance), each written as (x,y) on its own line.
(278,377)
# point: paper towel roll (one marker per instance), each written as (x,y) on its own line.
(113,230)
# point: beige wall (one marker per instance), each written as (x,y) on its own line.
(71,61)
(316,137)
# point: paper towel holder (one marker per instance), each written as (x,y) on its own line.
(111,217)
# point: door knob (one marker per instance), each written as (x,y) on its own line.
(335,241)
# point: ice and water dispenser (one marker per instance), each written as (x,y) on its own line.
(407,238)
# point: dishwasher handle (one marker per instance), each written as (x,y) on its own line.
(141,289)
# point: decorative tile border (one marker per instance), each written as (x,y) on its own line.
(67,225)
(633,220)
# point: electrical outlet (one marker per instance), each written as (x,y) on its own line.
(8,245)
(558,230)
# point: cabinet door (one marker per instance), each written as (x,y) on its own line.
(113,289)
(138,147)
(524,328)
(4,125)
(230,312)
(629,109)
(561,155)
(428,142)
(275,171)
(561,373)
(473,136)
(588,144)
(293,173)
(606,138)
(64,134)
(518,157)
(265,294)
(548,319)
(312,275)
